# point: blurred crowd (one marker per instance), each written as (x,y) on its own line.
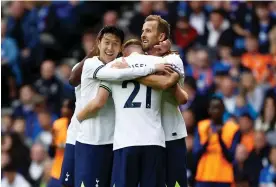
(228,49)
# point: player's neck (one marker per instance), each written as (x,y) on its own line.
(152,51)
(102,60)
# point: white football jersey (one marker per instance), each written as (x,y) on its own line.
(138,108)
(99,129)
(172,120)
(74,124)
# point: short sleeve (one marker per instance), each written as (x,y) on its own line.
(176,62)
(91,67)
(106,85)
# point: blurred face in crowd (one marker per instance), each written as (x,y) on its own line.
(47,70)
(109,47)
(5,159)
(196,6)
(191,57)
(227,86)
(19,126)
(269,109)
(262,12)
(183,25)
(202,59)
(259,140)
(247,81)
(3,28)
(246,124)
(110,18)
(241,153)
(150,35)
(225,52)
(272,156)
(44,119)
(216,109)
(88,41)
(216,20)
(66,110)
(65,71)
(251,44)
(189,119)
(146,7)
(38,153)
(6,122)
(6,144)
(235,61)
(26,94)
(16,9)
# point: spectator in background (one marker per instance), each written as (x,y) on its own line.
(87,44)
(267,118)
(214,148)
(191,165)
(215,28)
(196,103)
(137,21)
(161,8)
(36,169)
(46,173)
(202,71)
(236,67)
(19,127)
(12,177)
(44,137)
(254,60)
(9,53)
(198,18)
(253,93)
(49,86)
(59,139)
(243,169)
(228,94)
(18,152)
(265,24)
(247,131)
(268,174)
(63,73)
(259,155)
(6,123)
(110,18)
(184,34)
(190,123)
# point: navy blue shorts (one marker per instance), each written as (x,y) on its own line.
(176,163)
(93,165)
(54,183)
(68,166)
(143,165)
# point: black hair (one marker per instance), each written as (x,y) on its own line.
(112,30)
(216,98)
(189,80)
(219,11)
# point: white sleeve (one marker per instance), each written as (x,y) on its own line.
(91,67)
(177,63)
(75,66)
(106,85)
(111,74)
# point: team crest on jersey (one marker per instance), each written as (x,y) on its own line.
(67,176)
(97,183)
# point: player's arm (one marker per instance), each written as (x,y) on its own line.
(75,76)
(112,74)
(160,82)
(94,105)
(180,94)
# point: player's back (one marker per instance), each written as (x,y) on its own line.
(99,129)
(138,109)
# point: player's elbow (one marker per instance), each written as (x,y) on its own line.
(183,99)
(74,81)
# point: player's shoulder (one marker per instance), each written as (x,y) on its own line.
(173,58)
(93,62)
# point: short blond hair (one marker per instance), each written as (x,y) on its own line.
(132,42)
(163,25)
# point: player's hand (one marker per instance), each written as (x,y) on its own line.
(120,64)
(165,68)
(163,47)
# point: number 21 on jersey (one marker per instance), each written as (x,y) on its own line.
(129,103)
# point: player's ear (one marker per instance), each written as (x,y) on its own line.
(162,37)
